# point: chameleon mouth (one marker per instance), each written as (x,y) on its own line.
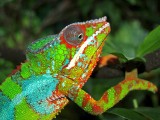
(56,98)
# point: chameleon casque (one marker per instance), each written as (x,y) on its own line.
(56,69)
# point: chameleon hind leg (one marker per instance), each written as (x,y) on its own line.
(110,97)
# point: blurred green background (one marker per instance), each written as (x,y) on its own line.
(23,21)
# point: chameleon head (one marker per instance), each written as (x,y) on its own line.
(85,40)
(73,53)
(70,52)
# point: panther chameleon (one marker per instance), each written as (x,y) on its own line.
(56,69)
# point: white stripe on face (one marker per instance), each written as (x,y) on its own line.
(85,44)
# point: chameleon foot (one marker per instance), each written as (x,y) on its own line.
(139,84)
(111,96)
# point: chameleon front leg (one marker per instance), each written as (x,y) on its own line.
(110,97)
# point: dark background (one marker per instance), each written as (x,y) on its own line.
(23,21)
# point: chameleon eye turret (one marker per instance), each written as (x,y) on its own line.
(55,71)
(92,36)
(73,35)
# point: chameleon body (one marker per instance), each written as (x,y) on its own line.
(56,69)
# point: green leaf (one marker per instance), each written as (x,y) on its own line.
(126,40)
(152,113)
(109,116)
(121,57)
(150,43)
(128,114)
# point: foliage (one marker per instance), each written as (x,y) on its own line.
(21,22)
(126,47)
(151,43)
(139,113)
(124,42)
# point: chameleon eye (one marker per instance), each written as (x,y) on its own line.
(80,36)
(73,35)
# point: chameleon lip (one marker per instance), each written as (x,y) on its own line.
(85,44)
(54,98)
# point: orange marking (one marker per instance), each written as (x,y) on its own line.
(85,100)
(118,90)
(149,85)
(106,59)
(15,70)
(97,109)
(105,97)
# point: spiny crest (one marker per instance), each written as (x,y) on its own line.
(75,34)
(103,19)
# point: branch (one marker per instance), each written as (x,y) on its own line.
(117,69)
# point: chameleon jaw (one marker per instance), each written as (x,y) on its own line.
(56,96)
(58,100)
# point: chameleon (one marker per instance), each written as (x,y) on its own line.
(55,70)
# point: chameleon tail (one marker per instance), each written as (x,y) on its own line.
(111,96)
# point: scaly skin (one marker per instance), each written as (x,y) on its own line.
(57,67)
